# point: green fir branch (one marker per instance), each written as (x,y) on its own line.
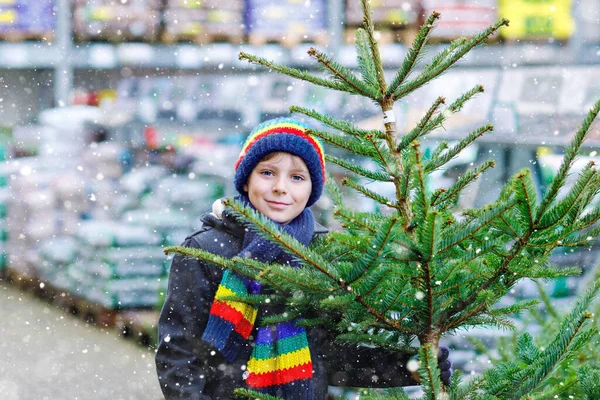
(589,379)
(296,73)
(429,373)
(256,299)
(462,182)
(514,308)
(467,231)
(404,183)
(569,339)
(364,57)
(352,145)
(467,391)
(463,261)
(369,193)
(533,378)
(384,156)
(280,318)
(270,231)
(344,126)
(374,340)
(414,53)
(344,75)
(580,240)
(378,249)
(550,309)
(389,394)
(420,203)
(364,220)
(373,175)
(370,30)
(460,102)
(219,261)
(525,194)
(417,131)
(373,279)
(439,149)
(555,214)
(570,154)
(454,151)
(589,219)
(439,64)
(313,322)
(254,395)
(334,191)
(428,234)
(279,275)
(557,391)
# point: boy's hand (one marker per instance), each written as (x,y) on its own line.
(444,365)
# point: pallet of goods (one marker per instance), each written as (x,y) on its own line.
(288,22)
(27,20)
(588,15)
(117,20)
(140,326)
(395,20)
(203,21)
(461,17)
(539,20)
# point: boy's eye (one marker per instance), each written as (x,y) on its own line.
(267,173)
(298,178)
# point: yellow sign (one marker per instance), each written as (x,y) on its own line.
(537,19)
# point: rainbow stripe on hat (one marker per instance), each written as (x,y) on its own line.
(282,125)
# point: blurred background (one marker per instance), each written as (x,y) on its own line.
(120,121)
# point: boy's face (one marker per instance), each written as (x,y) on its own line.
(279,187)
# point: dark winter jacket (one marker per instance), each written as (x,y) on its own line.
(189,368)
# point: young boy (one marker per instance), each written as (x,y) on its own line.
(207,346)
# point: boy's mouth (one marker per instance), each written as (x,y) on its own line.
(277,204)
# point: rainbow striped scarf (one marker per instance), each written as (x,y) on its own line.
(280,363)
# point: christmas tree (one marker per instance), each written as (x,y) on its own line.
(403,279)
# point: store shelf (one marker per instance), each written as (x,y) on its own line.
(28,56)
(224,55)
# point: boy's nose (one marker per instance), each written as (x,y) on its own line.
(279,186)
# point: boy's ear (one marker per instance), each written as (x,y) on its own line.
(245,187)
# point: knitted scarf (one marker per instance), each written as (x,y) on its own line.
(280,363)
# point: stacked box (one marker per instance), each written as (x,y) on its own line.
(537,19)
(388,13)
(282,20)
(56,255)
(187,99)
(461,17)
(117,20)
(5,196)
(588,15)
(27,17)
(204,20)
(32,218)
(119,265)
(71,202)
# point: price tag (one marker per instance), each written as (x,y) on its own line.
(188,57)
(14,55)
(102,56)
(388,116)
(222,53)
(135,53)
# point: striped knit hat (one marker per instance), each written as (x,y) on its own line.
(286,135)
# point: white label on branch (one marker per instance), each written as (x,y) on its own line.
(388,116)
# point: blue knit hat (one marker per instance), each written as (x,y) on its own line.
(287,135)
